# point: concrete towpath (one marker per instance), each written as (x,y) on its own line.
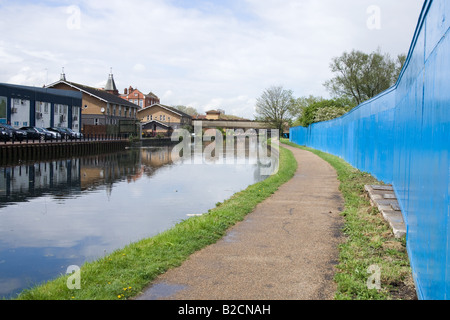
(286,249)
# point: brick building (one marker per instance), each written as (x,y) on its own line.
(140,99)
(103,110)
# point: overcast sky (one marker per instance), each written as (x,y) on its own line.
(200,53)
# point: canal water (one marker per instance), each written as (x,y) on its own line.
(61,213)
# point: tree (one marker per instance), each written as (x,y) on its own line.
(274,107)
(188,110)
(361,76)
(300,105)
(319,110)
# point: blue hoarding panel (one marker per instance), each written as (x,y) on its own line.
(402,137)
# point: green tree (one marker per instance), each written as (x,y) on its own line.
(274,106)
(361,76)
(300,104)
(324,110)
(188,110)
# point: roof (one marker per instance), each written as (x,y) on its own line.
(151,94)
(65,93)
(174,110)
(111,85)
(213,112)
(99,94)
(144,125)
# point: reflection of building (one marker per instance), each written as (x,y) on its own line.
(107,169)
(56,177)
(103,109)
(156,157)
(163,120)
(23,106)
(138,98)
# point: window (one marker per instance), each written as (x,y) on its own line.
(148,118)
(46,108)
(3,101)
(164,118)
(151,117)
(168,119)
(96,122)
(160,118)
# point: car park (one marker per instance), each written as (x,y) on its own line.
(18,135)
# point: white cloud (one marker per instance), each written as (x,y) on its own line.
(197,56)
(138,67)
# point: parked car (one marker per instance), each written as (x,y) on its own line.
(19,135)
(64,134)
(75,135)
(36,133)
(5,135)
(55,135)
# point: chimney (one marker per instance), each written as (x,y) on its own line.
(125,91)
(130,89)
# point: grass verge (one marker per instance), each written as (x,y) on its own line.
(369,241)
(124,273)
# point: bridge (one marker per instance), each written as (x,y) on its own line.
(232,124)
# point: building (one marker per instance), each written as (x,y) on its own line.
(140,99)
(103,110)
(159,119)
(213,115)
(23,106)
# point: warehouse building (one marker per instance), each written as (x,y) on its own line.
(23,106)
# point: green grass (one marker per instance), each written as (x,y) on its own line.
(368,241)
(126,272)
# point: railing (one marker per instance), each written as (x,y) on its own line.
(91,137)
(402,137)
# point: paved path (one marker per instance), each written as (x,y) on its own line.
(285,250)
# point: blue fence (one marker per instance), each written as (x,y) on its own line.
(402,137)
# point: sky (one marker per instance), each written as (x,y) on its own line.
(204,54)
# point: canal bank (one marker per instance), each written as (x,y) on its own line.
(21,152)
(368,242)
(125,272)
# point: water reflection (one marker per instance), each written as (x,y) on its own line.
(60,213)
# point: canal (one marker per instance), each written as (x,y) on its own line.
(66,212)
